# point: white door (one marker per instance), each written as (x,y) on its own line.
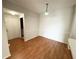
(13,26)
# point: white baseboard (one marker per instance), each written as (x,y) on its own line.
(26,39)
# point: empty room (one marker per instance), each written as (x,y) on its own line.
(39,29)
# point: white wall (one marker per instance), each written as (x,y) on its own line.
(30,19)
(31,27)
(56,25)
(73,29)
(5,46)
(72,38)
(13,25)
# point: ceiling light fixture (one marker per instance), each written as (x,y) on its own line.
(46,12)
(13,12)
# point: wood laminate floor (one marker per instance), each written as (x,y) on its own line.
(38,48)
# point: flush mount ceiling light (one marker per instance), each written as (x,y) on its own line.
(13,12)
(46,12)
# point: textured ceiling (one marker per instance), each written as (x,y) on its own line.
(39,5)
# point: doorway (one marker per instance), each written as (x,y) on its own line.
(22,27)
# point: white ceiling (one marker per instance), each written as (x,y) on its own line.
(39,5)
